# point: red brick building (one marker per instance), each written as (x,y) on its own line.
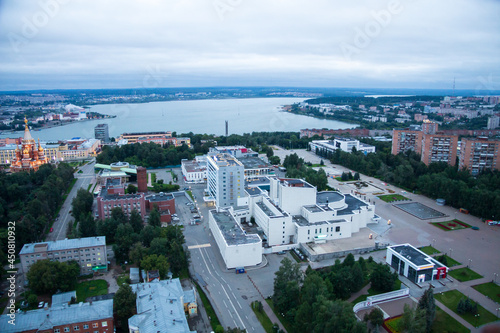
(165,204)
(92,317)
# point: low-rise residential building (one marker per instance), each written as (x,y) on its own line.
(415,265)
(89,252)
(96,317)
(194,171)
(161,307)
(344,144)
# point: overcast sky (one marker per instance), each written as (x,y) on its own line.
(311,43)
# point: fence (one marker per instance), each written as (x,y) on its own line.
(373,300)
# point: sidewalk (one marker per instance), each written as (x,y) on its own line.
(363,291)
(456,317)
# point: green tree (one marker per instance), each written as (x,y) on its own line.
(274,160)
(125,238)
(148,233)
(87,225)
(82,203)
(286,285)
(159,246)
(46,277)
(413,320)
(154,219)
(131,189)
(124,305)
(375,317)
(32,300)
(156,262)
(336,316)
(428,304)
(137,253)
(136,221)
(118,215)
(382,279)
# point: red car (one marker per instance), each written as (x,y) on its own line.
(51,229)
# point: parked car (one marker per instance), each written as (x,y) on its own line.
(51,229)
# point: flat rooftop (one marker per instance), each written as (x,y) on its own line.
(194,166)
(314,209)
(160,197)
(324,198)
(224,159)
(231,231)
(292,182)
(353,204)
(65,244)
(414,255)
(253,190)
(252,162)
(265,209)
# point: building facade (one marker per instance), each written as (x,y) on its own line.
(439,148)
(194,171)
(133,137)
(225,179)
(101,132)
(478,154)
(164,202)
(405,139)
(412,263)
(113,195)
(92,317)
(89,252)
(344,144)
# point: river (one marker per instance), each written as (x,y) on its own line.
(197,116)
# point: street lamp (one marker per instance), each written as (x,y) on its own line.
(477,318)
(451,250)
(495,275)
(433,242)
(497,311)
(470,263)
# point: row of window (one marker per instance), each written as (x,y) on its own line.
(337,229)
(85,326)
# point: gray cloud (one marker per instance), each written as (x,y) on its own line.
(392,43)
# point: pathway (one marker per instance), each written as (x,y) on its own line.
(363,291)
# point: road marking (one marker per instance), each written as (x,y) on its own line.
(199,246)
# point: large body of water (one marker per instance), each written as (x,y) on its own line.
(197,116)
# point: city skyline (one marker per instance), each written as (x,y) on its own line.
(60,44)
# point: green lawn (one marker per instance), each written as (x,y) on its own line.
(464,274)
(447,260)
(122,278)
(264,320)
(444,323)
(490,289)
(91,288)
(451,298)
(214,321)
(392,197)
(190,194)
(429,250)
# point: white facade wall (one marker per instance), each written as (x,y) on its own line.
(306,234)
(235,255)
(291,199)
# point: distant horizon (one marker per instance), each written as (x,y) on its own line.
(348,91)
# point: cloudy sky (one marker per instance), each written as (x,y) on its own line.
(310,43)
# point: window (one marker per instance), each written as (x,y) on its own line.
(66,329)
(56,330)
(85,326)
(337,229)
(76,328)
(95,325)
(104,324)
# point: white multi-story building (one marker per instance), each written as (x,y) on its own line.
(344,144)
(194,171)
(89,252)
(225,179)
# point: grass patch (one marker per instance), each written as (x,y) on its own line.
(429,250)
(190,194)
(451,298)
(153,177)
(447,261)
(263,319)
(451,225)
(88,188)
(489,289)
(283,320)
(121,279)
(444,323)
(464,274)
(392,197)
(214,321)
(392,324)
(91,288)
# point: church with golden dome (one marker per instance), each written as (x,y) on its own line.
(29,157)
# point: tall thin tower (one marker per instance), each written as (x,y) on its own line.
(453,87)
(227,128)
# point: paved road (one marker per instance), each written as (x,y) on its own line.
(61,224)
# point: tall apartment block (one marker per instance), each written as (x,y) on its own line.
(478,154)
(225,179)
(406,139)
(89,252)
(439,148)
(101,132)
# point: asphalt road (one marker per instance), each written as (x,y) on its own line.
(83,180)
